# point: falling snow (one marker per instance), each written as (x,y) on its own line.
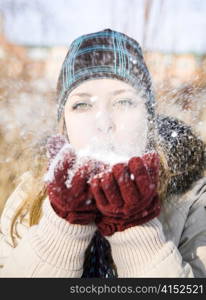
(132,176)
(174,134)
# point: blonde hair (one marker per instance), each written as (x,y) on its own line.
(30,205)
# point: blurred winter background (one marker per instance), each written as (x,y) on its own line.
(35,35)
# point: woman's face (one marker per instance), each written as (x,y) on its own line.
(106,114)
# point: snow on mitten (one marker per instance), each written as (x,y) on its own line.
(54,145)
(67,185)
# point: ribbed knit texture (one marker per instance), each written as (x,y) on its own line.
(138,247)
(63,245)
(60,243)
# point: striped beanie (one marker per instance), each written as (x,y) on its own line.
(104,54)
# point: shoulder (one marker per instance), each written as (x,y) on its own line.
(12,204)
(192,205)
(197,193)
(179,207)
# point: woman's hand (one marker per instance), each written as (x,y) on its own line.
(127,196)
(67,184)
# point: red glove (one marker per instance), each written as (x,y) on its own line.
(127,196)
(75,202)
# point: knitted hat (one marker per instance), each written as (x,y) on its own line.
(104,54)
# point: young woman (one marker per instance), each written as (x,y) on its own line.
(122,191)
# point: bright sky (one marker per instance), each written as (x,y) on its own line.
(174,26)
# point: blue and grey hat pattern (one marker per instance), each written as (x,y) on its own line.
(104,54)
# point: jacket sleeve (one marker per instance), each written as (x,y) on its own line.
(193,240)
(10,207)
(5,249)
(52,248)
(142,251)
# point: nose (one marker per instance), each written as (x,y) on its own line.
(104,122)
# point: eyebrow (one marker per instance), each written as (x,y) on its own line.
(117,92)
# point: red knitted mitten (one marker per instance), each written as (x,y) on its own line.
(68,189)
(127,196)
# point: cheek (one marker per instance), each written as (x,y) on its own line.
(79,136)
(131,133)
(131,125)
